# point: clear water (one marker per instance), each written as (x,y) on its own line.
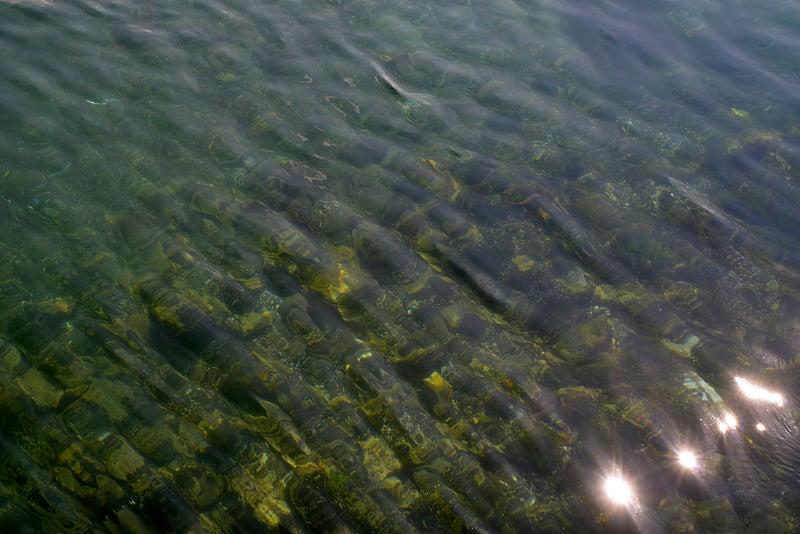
(405,266)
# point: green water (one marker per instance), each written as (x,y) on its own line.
(418,266)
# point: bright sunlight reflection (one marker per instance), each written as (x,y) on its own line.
(687,459)
(755,392)
(618,490)
(728,423)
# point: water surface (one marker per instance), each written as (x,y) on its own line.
(411,266)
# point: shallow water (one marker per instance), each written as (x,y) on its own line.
(375,267)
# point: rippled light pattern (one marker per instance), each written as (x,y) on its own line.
(755,392)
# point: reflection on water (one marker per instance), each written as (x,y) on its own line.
(343,266)
(755,392)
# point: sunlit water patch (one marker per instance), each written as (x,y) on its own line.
(439,267)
